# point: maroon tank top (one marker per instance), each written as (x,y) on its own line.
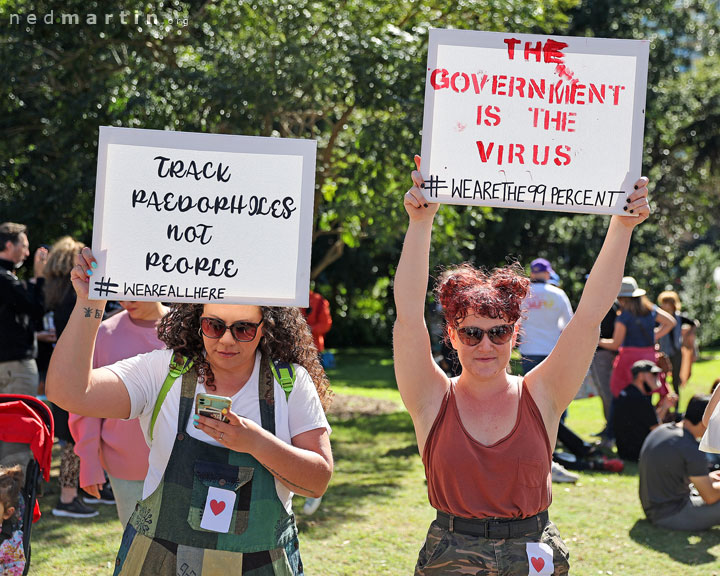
(507,479)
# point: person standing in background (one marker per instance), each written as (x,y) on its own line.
(21,309)
(638,327)
(110,445)
(319,319)
(545,312)
(672,343)
(601,371)
(60,300)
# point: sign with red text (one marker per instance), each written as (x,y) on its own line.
(533,122)
(186,217)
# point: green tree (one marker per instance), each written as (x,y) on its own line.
(700,295)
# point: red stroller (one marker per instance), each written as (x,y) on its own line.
(27,420)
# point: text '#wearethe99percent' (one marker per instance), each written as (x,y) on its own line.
(469,189)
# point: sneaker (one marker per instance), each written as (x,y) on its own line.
(560,474)
(74,509)
(106,496)
(311,505)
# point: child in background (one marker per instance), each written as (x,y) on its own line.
(12,555)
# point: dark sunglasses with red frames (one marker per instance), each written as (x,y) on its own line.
(242,331)
(472,335)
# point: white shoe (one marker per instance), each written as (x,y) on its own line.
(311,505)
(560,474)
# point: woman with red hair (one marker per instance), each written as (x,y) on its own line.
(486,437)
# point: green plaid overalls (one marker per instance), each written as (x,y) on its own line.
(163,536)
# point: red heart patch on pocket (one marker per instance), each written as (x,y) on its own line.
(538,563)
(218,506)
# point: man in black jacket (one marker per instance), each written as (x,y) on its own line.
(21,309)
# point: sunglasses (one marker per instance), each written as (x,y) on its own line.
(472,336)
(241,331)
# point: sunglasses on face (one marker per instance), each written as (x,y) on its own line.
(472,336)
(241,331)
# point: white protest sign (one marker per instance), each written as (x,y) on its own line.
(534,122)
(186,217)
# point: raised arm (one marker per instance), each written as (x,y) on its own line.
(558,378)
(421,382)
(665,323)
(71,382)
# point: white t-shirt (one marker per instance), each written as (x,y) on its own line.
(546,311)
(143,377)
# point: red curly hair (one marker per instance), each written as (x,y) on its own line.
(496,294)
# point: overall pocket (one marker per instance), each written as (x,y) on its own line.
(237,479)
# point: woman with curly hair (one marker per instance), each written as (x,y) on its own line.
(218,495)
(486,437)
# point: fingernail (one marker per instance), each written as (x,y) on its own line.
(635,186)
(196,417)
(625,208)
(94,264)
(631,211)
(89,272)
(422,185)
(628,199)
(425,205)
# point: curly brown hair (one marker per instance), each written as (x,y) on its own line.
(286,338)
(495,294)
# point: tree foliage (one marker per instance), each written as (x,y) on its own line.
(349,74)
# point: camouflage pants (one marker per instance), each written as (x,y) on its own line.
(448,552)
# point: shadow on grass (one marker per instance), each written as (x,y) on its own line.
(364,368)
(689,548)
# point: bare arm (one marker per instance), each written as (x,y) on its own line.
(556,380)
(708,487)
(665,323)
(714,399)
(619,332)
(71,382)
(305,467)
(420,381)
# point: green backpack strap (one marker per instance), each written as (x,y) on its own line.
(284,373)
(177,369)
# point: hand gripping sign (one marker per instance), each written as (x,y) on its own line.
(184,217)
(534,122)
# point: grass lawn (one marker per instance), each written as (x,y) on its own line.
(374,517)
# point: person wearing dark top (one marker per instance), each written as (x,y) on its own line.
(673,342)
(670,460)
(601,370)
(21,308)
(635,416)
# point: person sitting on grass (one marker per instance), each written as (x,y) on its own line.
(635,416)
(486,437)
(670,460)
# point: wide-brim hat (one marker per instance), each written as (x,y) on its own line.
(629,288)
